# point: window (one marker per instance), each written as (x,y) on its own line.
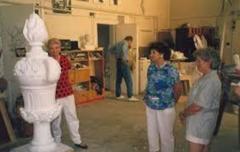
(61,6)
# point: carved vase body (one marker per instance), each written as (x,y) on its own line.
(38,75)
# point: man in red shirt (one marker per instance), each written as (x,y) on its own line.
(64,96)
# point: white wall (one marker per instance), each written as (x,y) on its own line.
(197,12)
(66,26)
(157,10)
(79,22)
(74,26)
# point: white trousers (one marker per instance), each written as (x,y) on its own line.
(69,110)
(160,123)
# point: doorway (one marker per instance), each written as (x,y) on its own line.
(108,35)
(103,32)
(105,39)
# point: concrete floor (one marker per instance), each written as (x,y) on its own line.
(120,126)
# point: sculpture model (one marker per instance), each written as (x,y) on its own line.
(38,74)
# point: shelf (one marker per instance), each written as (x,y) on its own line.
(95,59)
(91,62)
(80,51)
(80,75)
(86,96)
(71,51)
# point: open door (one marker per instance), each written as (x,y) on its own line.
(120,32)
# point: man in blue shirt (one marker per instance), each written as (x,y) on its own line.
(123,69)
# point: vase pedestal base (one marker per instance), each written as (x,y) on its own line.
(59,148)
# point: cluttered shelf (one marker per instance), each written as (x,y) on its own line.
(86,74)
(82,50)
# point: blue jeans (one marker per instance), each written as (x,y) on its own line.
(123,72)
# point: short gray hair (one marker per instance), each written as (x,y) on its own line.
(53,41)
(209,55)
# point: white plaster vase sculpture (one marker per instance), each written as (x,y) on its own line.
(38,74)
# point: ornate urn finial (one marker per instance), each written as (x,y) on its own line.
(35,31)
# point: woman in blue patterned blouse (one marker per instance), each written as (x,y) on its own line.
(162,91)
(203,102)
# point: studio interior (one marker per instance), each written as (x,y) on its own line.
(119,76)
